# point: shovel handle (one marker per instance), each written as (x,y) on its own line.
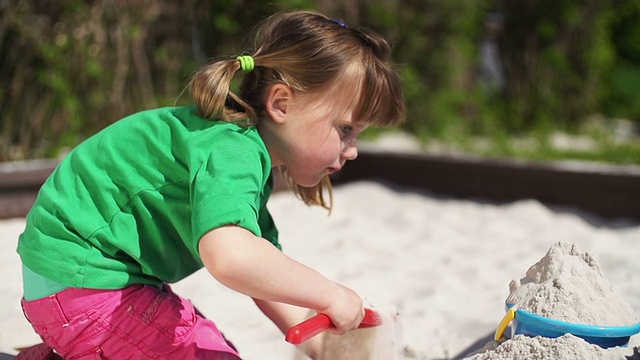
(307,329)
(316,324)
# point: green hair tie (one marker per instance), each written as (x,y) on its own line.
(246,63)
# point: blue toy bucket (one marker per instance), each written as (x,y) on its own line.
(526,323)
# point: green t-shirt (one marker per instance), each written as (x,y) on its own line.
(130,204)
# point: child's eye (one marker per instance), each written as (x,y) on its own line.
(346,130)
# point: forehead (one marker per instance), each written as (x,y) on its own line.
(342,99)
(332,106)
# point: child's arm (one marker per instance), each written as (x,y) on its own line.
(253,266)
(285,316)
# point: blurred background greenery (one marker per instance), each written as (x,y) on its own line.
(540,79)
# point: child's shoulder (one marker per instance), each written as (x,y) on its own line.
(183,122)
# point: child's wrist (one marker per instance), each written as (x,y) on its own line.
(333,293)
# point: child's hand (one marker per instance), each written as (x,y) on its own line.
(346,310)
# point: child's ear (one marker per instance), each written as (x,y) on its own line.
(278,102)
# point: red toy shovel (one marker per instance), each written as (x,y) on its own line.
(316,324)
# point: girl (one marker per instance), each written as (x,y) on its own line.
(158,195)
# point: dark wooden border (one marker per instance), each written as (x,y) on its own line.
(604,190)
(19,185)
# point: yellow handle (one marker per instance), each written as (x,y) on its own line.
(508,317)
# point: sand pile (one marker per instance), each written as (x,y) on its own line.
(566,285)
(541,348)
(569,285)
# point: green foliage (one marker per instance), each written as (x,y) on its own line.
(70,68)
(624,154)
(555,72)
(622,98)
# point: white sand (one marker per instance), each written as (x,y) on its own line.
(445,264)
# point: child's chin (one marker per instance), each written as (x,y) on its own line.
(308,182)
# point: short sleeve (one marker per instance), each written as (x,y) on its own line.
(268,227)
(230,186)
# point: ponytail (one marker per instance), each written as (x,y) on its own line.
(214,100)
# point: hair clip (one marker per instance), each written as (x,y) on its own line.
(340,22)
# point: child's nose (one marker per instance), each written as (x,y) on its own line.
(351,151)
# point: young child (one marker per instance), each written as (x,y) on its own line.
(160,194)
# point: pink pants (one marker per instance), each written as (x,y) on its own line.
(138,322)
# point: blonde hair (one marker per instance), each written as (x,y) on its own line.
(308,52)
